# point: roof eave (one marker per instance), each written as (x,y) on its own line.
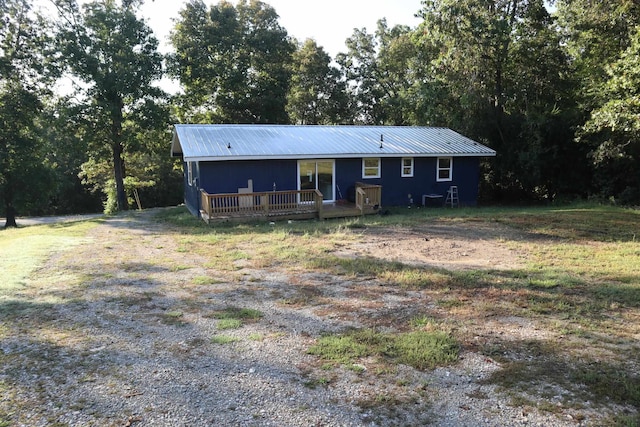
(329,156)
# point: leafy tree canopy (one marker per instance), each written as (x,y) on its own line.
(317,94)
(115,54)
(613,131)
(232,63)
(26,72)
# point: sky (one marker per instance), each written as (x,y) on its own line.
(328,22)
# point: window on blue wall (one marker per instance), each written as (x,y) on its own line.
(371,168)
(407,167)
(190,173)
(444,171)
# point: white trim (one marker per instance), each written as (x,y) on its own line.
(364,168)
(449,169)
(403,166)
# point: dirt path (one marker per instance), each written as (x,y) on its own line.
(27,221)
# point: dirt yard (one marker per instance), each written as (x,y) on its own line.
(443,245)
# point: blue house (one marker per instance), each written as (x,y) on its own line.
(408,164)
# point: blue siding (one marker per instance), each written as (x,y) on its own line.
(192,192)
(396,189)
(228,177)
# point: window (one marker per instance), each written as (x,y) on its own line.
(190,173)
(370,168)
(407,167)
(444,171)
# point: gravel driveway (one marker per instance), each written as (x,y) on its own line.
(118,331)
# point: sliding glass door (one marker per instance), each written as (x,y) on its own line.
(317,175)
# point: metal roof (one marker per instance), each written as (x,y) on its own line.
(258,142)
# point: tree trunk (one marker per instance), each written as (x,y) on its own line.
(118,148)
(8,204)
(118,173)
(11,217)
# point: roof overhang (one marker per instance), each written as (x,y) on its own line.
(325,156)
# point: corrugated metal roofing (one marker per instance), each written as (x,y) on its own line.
(252,142)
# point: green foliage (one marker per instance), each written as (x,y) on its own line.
(595,33)
(614,128)
(232,63)
(115,54)
(317,94)
(378,68)
(25,71)
(500,77)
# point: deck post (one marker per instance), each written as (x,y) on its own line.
(318,199)
(205,203)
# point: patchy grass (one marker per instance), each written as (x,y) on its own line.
(223,339)
(173,318)
(24,249)
(577,293)
(420,349)
(224,324)
(582,283)
(234,317)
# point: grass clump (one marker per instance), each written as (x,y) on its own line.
(234,317)
(224,324)
(424,350)
(419,349)
(223,339)
(340,349)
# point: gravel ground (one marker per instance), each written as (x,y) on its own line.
(105,334)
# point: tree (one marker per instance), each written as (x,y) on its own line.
(378,69)
(600,38)
(115,54)
(318,93)
(595,33)
(501,79)
(613,130)
(64,133)
(25,72)
(232,62)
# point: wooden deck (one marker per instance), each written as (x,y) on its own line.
(285,205)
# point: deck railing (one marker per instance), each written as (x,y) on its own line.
(261,204)
(368,196)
